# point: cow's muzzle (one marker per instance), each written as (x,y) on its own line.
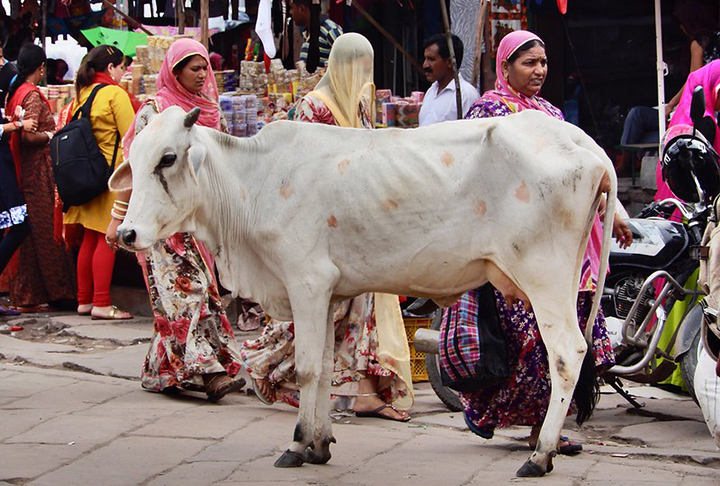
(127,237)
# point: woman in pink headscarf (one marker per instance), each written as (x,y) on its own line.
(193,346)
(523,398)
(708,77)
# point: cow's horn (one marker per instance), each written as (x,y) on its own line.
(192,117)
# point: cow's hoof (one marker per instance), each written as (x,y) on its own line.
(530,470)
(290,459)
(321,457)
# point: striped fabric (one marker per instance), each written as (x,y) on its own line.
(329,31)
(459,339)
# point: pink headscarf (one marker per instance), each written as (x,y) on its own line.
(171,93)
(708,77)
(503,91)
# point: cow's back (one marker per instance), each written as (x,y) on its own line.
(444,195)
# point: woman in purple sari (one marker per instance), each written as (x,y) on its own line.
(523,399)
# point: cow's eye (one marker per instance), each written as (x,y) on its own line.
(167,160)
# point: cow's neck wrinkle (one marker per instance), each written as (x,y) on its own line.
(221,219)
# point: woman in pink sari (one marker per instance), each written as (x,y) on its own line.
(523,398)
(193,346)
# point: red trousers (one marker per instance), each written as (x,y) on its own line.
(94,270)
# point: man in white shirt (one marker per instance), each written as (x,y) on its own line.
(439,103)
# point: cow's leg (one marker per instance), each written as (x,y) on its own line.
(311,317)
(322,437)
(566,347)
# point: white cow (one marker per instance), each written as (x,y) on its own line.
(303,215)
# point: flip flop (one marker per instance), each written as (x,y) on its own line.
(376,414)
(216,392)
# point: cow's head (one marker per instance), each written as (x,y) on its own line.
(162,170)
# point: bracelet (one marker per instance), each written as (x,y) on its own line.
(120,217)
(18,124)
(49,135)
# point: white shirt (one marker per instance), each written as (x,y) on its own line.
(439,107)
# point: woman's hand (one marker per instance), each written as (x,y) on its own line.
(111,233)
(622,232)
(29,125)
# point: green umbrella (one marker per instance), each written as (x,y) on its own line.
(124,40)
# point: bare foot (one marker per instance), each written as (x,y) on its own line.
(369,404)
(84,309)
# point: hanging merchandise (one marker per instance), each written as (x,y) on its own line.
(506,16)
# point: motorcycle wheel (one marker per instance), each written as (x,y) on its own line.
(432,362)
(688,364)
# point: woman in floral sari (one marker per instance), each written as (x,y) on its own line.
(523,399)
(370,376)
(193,346)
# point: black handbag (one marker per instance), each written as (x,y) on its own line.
(80,169)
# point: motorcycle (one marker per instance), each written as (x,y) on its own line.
(648,278)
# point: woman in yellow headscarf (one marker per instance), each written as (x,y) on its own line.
(372,359)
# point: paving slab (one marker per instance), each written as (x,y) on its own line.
(122,335)
(128,460)
(19,463)
(195,474)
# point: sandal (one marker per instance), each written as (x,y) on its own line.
(376,414)
(267,399)
(220,385)
(114,315)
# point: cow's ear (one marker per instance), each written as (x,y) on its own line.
(121,180)
(196,156)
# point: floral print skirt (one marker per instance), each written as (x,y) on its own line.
(272,355)
(524,398)
(192,335)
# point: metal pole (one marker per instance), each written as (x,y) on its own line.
(660,69)
(456,77)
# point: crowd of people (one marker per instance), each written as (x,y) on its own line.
(193,346)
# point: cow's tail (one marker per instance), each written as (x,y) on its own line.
(587,391)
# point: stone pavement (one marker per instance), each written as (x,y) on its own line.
(72,413)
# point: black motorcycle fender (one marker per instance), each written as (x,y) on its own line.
(688,330)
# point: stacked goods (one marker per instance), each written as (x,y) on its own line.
(240,111)
(157,47)
(226,80)
(142,53)
(253,79)
(58,95)
(407,114)
(393,111)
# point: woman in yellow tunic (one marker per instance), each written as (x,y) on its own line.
(110,116)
